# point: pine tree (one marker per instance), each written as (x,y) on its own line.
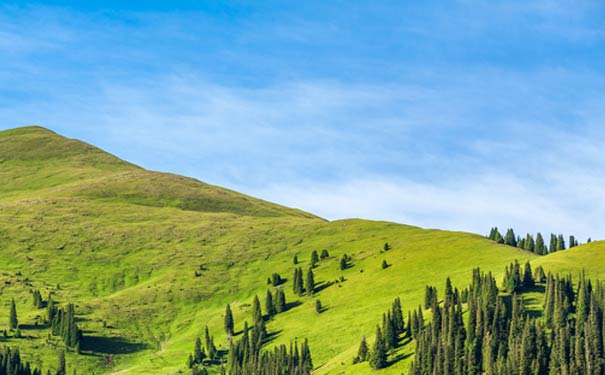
(269,306)
(324,254)
(314,258)
(384,264)
(378,356)
(540,248)
(257,314)
(528,278)
(553,243)
(386,246)
(295,259)
(310,285)
(362,352)
(318,308)
(510,239)
(228,321)
(198,353)
(560,242)
(13,322)
(280,301)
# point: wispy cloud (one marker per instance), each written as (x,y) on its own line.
(342,118)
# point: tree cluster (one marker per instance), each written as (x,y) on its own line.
(12,364)
(537,245)
(63,324)
(308,286)
(500,338)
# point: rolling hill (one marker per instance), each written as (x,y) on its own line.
(149,259)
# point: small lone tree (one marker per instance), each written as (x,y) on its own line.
(295,259)
(228,321)
(386,246)
(362,352)
(314,258)
(13,321)
(324,254)
(318,307)
(384,264)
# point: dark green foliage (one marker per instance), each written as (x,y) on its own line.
(280,300)
(362,352)
(528,277)
(386,246)
(529,243)
(11,363)
(310,282)
(540,247)
(37,299)
(13,322)
(295,259)
(378,356)
(314,258)
(257,314)
(560,242)
(269,305)
(384,264)
(210,347)
(276,279)
(539,275)
(510,239)
(246,358)
(318,308)
(512,278)
(553,243)
(495,235)
(63,324)
(228,321)
(198,352)
(344,262)
(502,339)
(324,254)
(297,284)
(430,296)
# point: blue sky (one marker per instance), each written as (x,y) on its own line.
(456,114)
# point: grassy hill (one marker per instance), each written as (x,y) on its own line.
(150,258)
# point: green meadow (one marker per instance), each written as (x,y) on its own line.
(149,259)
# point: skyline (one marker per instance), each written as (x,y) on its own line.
(483,114)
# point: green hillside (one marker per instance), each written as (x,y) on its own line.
(149,259)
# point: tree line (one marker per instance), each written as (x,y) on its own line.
(536,245)
(501,338)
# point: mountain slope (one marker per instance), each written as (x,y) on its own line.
(36,162)
(149,259)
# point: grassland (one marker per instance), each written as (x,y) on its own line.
(124,244)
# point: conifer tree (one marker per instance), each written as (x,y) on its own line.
(280,300)
(13,321)
(228,321)
(386,246)
(540,248)
(528,278)
(198,352)
(269,306)
(510,239)
(362,352)
(314,258)
(257,315)
(378,356)
(310,285)
(295,259)
(324,254)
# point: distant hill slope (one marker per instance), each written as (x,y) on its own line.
(589,257)
(36,162)
(149,259)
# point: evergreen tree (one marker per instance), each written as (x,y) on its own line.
(198,352)
(384,264)
(295,259)
(529,243)
(269,306)
(343,263)
(510,239)
(528,278)
(386,246)
(13,321)
(257,314)
(314,258)
(540,248)
(560,242)
(318,308)
(310,285)
(324,254)
(362,352)
(378,356)
(553,243)
(228,321)
(280,301)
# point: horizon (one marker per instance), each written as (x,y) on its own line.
(485,115)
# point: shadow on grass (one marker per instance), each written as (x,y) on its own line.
(110,345)
(32,327)
(323,285)
(291,305)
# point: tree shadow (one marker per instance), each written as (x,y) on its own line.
(291,305)
(32,327)
(110,345)
(398,357)
(323,285)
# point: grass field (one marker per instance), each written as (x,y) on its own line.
(124,244)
